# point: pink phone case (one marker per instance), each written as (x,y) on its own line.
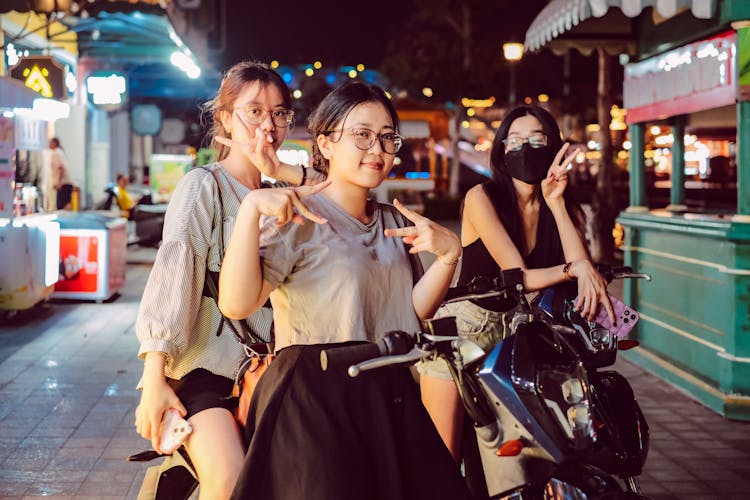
(626,316)
(174,430)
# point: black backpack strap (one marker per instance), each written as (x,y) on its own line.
(246,335)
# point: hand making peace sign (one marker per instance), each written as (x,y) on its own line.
(427,236)
(286,203)
(553,186)
(259,149)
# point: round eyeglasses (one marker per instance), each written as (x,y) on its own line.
(254,115)
(365,139)
(536,141)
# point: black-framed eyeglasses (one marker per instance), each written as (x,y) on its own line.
(365,139)
(536,141)
(255,115)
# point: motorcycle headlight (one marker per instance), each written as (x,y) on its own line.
(602,339)
(566,394)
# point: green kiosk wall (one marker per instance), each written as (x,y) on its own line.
(695,313)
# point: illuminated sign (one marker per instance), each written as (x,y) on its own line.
(694,77)
(477,103)
(107,89)
(42,74)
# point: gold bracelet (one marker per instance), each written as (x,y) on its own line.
(566,271)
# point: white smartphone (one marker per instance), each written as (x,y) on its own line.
(174,431)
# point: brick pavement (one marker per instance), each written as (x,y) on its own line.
(67,399)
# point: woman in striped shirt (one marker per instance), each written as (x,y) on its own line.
(186,365)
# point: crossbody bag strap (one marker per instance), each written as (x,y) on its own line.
(247,336)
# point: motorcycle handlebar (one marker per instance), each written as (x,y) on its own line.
(483,287)
(393,343)
(611,273)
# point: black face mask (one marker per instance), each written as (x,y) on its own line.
(529,164)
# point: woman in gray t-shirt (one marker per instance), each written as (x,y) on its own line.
(344,275)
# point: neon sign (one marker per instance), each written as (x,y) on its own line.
(107,89)
(42,74)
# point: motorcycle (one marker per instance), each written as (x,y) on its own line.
(535,400)
(623,437)
(145,218)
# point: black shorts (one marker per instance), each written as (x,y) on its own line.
(200,390)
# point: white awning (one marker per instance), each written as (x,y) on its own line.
(560,16)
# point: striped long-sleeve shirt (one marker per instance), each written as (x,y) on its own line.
(174,317)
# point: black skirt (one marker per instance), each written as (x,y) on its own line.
(325,436)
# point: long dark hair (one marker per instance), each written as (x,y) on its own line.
(502,193)
(231,86)
(336,106)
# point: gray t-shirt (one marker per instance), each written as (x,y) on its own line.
(339,281)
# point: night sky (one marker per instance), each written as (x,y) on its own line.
(347,32)
(335,32)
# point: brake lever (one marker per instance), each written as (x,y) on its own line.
(414,355)
(620,276)
(474,296)
(439,338)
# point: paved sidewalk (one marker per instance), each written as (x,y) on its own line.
(67,399)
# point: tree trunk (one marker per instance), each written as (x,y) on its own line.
(603,202)
(454,180)
(454,168)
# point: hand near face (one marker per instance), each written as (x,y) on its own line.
(259,148)
(426,236)
(286,203)
(553,186)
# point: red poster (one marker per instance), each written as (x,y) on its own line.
(79,263)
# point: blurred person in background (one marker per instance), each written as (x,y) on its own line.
(124,201)
(60,175)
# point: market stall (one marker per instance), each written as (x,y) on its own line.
(93,255)
(29,242)
(686,92)
(30,248)
(696,328)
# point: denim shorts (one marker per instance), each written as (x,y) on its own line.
(484,327)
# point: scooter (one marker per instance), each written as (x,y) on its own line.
(530,398)
(145,219)
(173,479)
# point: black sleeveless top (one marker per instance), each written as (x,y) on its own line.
(547,252)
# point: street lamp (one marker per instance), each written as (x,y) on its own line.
(513,52)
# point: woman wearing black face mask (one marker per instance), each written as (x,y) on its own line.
(520,219)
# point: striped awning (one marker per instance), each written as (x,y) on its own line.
(76,7)
(560,16)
